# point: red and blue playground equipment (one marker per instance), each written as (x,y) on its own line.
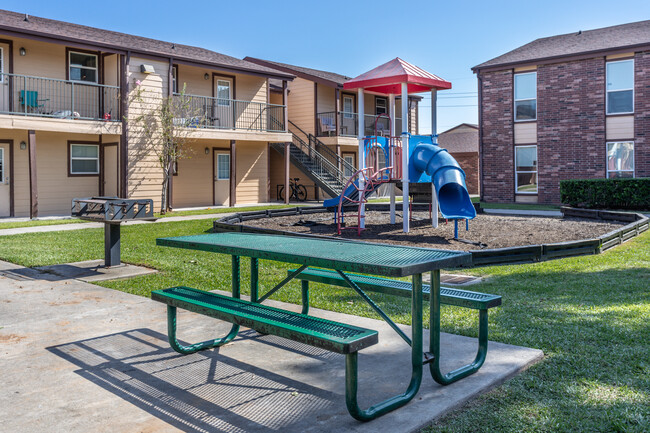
(427,163)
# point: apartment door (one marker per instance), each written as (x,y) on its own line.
(348,121)
(223,106)
(351,161)
(4,180)
(110,170)
(221,178)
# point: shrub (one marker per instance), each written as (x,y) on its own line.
(633,194)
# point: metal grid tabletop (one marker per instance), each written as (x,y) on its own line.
(364,257)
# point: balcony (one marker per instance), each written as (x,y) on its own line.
(61,99)
(228,114)
(348,124)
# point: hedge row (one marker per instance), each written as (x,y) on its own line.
(633,194)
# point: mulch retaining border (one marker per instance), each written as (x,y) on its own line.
(638,223)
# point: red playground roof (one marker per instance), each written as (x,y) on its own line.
(388,78)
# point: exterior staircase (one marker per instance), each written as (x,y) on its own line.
(318,162)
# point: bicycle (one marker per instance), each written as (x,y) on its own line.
(298,191)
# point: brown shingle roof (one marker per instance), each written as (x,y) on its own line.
(581,42)
(84,35)
(330,78)
(457,140)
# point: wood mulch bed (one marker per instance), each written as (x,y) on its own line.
(485,231)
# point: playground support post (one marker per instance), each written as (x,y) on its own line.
(362,155)
(434,206)
(434,115)
(405,159)
(434,140)
(391,104)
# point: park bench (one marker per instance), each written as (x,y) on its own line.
(449,296)
(325,334)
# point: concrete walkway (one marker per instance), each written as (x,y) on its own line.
(91,225)
(76,357)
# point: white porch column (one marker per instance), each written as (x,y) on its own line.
(362,155)
(434,132)
(391,105)
(405,159)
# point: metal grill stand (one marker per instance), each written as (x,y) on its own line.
(112,211)
(112,244)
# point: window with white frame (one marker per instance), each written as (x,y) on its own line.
(84,159)
(349,158)
(223,93)
(526,169)
(525,96)
(223,166)
(380,106)
(2,65)
(2,165)
(83,67)
(174,79)
(620,87)
(348,107)
(620,159)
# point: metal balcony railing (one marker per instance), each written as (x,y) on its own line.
(216,113)
(348,124)
(48,97)
(382,125)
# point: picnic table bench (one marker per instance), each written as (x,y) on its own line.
(449,296)
(338,257)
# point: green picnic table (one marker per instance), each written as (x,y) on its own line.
(341,258)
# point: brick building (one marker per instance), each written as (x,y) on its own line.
(461,142)
(572,106)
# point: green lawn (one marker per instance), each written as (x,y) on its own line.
(590,316)
(219,210)
(33,223)
(211,211)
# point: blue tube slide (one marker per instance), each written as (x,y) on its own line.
(448,179)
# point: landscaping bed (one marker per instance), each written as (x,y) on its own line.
(485,231)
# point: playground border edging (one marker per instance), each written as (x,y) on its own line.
(638,223)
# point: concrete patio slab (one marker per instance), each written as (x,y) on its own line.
(94,270)
(77,357)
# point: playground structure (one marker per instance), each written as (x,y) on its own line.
(402,158)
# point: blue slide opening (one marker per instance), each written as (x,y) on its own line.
(429,162)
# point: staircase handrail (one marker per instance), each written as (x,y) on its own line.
(318,160)
(315,155)
(339,173)
(343,163)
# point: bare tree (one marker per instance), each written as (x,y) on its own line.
(163,126)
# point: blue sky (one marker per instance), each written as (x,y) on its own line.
(351,37)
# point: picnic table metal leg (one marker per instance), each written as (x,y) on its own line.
(434,341)
(351,367)
(255,279)
(208,344)
(305,296)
